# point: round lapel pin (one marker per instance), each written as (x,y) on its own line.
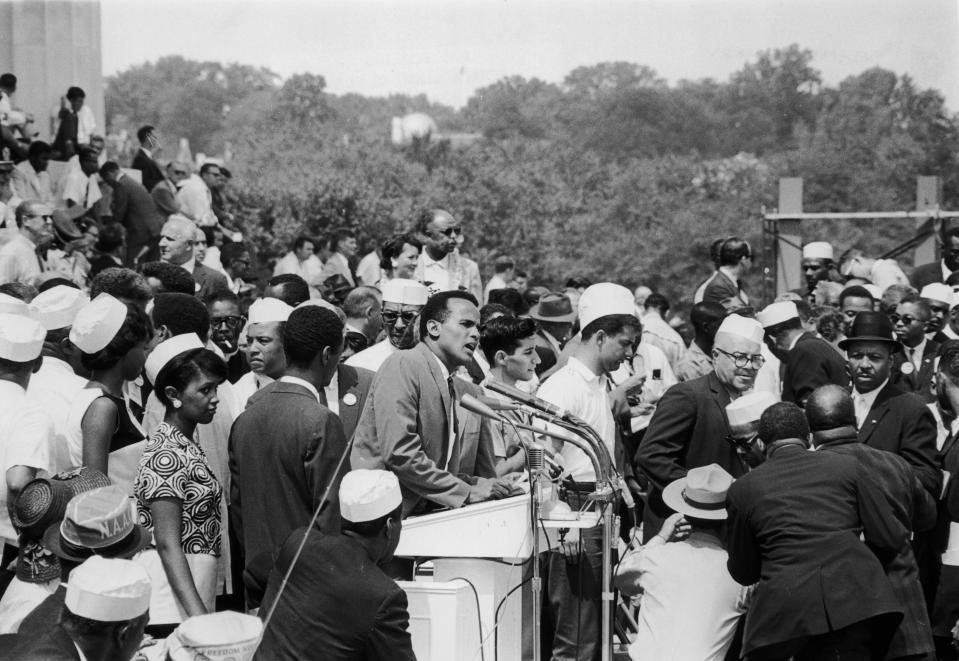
(349,399)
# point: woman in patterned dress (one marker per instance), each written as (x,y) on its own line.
(178,496)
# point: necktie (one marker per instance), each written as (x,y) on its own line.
(454,423)
(861,410)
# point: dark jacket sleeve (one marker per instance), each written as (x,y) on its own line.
(918,445)
(744,561)
(324,470)
(164,200)
(806,370)
(881,529)
(389,639)
(121,199)
(235,511)
(660,454)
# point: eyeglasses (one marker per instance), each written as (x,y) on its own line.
(743,360)
(906,319)
(450,231)
(182,173)
(231,321)
(391,316)
(356,341)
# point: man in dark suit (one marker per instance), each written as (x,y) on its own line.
(151,174)
(914,367)
(289,435)
(725,285)
(177,246)
(338,602)
(925,274)
(412,423)
(134,209)
(689,428)
(832,421)
(794,527)
(352,387)
(809,360)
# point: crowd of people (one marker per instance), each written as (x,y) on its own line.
(199,456)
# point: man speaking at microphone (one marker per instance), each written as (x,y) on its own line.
(574,577)
(413,424)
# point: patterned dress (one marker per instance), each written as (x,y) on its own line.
(173,466)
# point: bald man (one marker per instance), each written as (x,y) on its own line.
(178,246)
(832,421)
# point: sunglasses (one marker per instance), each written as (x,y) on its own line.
(391,316)
(231,321)
(450,231)
(906,319)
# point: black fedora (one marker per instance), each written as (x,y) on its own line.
(871,327)
(553,307)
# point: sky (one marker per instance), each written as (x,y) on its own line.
(447,49)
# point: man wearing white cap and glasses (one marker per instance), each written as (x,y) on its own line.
(402,301)
(689,425)
(26,432)
(818,265)
(939,297)
(611,331)
(743,415)
(105,610)
(337,599)
(690,605)
(264,347)
(810,361)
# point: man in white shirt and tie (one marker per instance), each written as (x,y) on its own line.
(440,267)
(915,371)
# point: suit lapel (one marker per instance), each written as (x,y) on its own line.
(720,397)
(432,364)
(346,381)
(878,410)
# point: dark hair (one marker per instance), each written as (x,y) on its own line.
(86,152)
(612,324)
(75,93)
(393,247)
(56,282)
(578,282)
(338,235)
(789,324)
(855,291)
(829,407)
(783,420)
(292,289)
(503,264)
(144,132)
(423,219)
(111,237)
(8,80)
(108,168)
(952,232)
(371,528)
(301,239)
(136,328)
(84,627)
(307,332)
(231,251)
(359,299)
(511,298)
(490,310)
(121,282)
(714,251)
(19,290)
(222,295)
(919,302)
(181,313)
(504,333)
(173,278)
(38,148)
(657,301)
(732,250)
(185,367)
(830,324)
(520,273)
(437,307)
(705,314)
(206,167)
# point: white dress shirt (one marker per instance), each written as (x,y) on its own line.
(28,184)
(26,434)
(577,389)
(245,386)
(55,387)
(372,358)
(658,332)
(495,282)
(864,401)
(196,201)
(886,272)
(19,261)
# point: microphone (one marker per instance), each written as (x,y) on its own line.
(529,400)
(498,404)
(471,403)
(535,455)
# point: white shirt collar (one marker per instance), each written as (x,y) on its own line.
(189,264)
(146,151)
(945,270)
(578,367)
(917,350)
(446,372)
(870,397)
(792,345)
(429,261)
(301,382)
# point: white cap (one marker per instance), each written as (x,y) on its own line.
(13,305)
(874,290)
(21,338)
(108,590)
(58,306)
(604,299)
(938,291)
(405,292)
(749,407)
(817,250)
(744,327)
(223,636)
(265,310)
(777,313)
(97,323)
(167,350)
(368,494)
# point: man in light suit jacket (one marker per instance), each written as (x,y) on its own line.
(134,209)
(413,425)
(177,246)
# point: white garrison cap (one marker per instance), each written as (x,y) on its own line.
(749,407)
(405,292)
(604,299)
(223,636)
(58,306)
(266,310)
(744,327)
(21,338)
(366,495)
(777,313)
(817,250)
(874,290)
(13,305)
(938,291)
(167,350)
(97,323)
(108,590)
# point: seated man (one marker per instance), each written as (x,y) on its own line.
(337,598)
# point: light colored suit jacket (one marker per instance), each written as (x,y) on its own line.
(404,429)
